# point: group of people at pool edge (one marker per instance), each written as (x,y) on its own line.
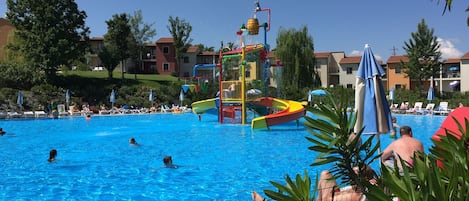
(167,160)
(403,148)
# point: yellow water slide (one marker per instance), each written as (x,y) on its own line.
(202,106)
(290,110)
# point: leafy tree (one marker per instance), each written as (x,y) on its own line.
(448,4)
(423,53)
(19,75)
(141,34)
(52,32)
(295,50)
(118,35)
(202,47)
(180,31)
(109,56)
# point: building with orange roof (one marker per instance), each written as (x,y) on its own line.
(396,76)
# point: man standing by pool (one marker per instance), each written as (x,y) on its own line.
(404,147)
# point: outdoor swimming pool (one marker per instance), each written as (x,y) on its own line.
(96,162)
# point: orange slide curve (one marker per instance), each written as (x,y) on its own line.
(290,110)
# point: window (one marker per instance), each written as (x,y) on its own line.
(349,86)
(165,50)
(398,86)
(186,59)
(398,70)
(165,67)
(349,70)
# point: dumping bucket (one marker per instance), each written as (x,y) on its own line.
(253,26)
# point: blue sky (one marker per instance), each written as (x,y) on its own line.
(334,25)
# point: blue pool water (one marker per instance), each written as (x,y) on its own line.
(96,162)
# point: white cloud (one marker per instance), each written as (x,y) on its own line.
(447,49)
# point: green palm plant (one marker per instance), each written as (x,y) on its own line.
(331,128)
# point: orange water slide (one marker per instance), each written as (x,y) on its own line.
(290,110)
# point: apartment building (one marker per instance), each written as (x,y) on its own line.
(6,30)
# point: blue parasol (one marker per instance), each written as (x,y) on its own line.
(151,97)
(318,92)
(430,94)
(19,100)
(370,98)
(181,96)
(112,98)
(391,95)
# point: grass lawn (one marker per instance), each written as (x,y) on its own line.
(118,75)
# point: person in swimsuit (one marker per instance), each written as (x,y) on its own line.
(52,155)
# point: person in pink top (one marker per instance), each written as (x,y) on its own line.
(404,147)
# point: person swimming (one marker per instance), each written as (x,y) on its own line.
(132,141)
(52,155)
(2,132)
(168,162)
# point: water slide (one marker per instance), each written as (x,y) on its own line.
(202,106)
(290,110)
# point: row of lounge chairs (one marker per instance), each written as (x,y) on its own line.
(418,108)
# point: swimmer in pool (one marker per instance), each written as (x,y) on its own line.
(132,141)
(52,155)
(168,162)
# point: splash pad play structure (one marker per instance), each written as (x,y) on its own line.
(240,68)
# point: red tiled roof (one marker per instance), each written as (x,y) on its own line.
(453,61)
(351,60)
(192,49)
(150,45)
(322,54)
(465,56)
(397,59)
(4,21)
(165,40)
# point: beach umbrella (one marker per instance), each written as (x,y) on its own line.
(151,96)
(318,92)
(112,98)
(181,96)
(67,97)
(430,94)
(19,100)
(254,92)
(370,98)
(391,95)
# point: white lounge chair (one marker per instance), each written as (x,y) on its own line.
(28,114)
(428,109)
(40,114)
(442,108)
(417,107)
(61,110)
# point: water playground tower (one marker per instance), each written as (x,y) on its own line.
(242,65)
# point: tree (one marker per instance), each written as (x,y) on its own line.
(53,32)
(422,51)
(118,35)
(109,56)
(141,34)
(295,50)
(180,30)
(202,47)
(448,4)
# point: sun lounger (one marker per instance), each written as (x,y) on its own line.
(28,114)
(61,110)
(417,107)
(442,109)
(40,114)
(3,115)
(14,115)
(428,109)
